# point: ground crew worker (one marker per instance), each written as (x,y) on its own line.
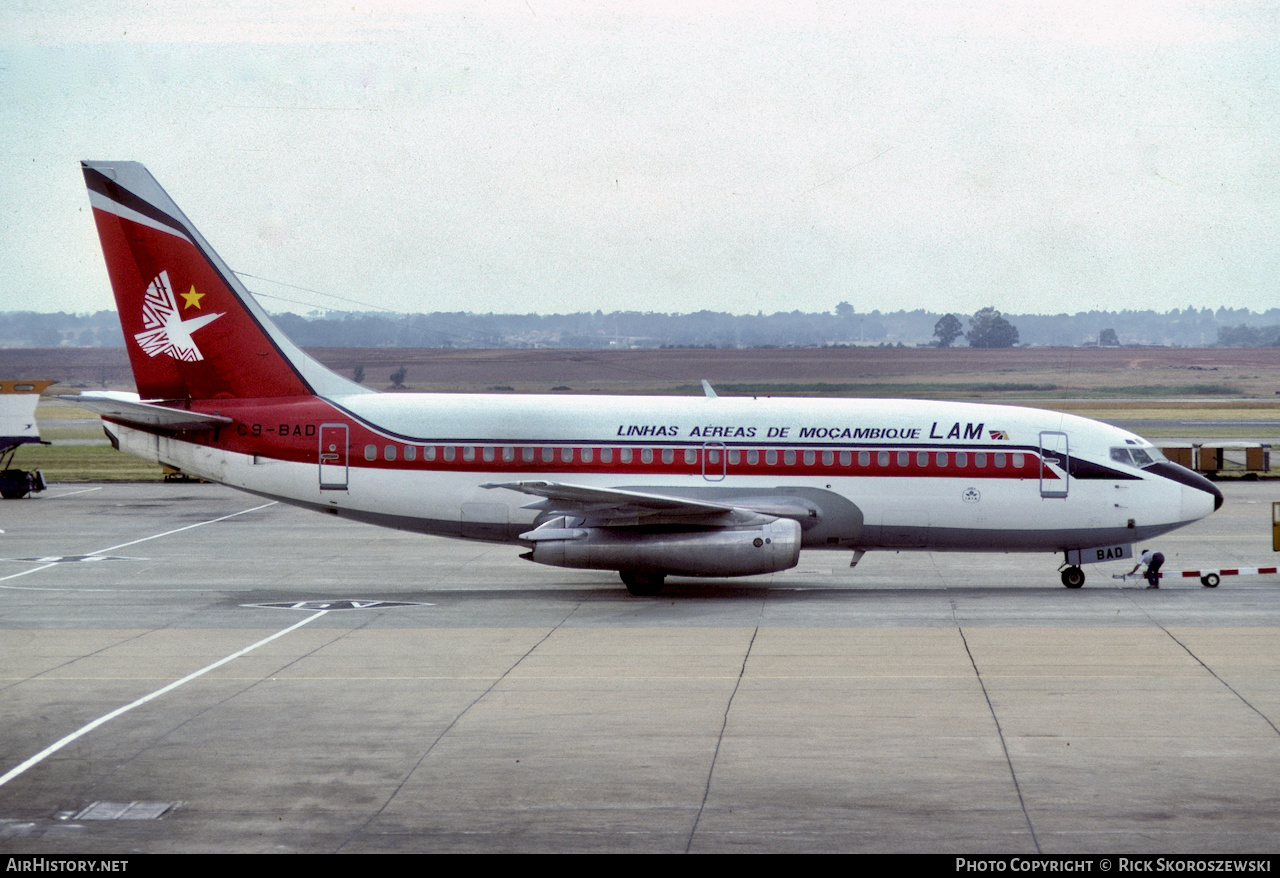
(1153,560)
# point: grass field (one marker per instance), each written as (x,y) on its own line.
(85,463)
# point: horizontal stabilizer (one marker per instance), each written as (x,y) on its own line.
(128,408)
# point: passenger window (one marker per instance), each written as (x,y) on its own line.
(646,455)
(429,453)
(526,454)
(809,458)
(450,452)
(371,452)
(586,455)
(468,452)
(735,456)
(771,457)
(942,458)
(668,455)
(962,459)
(999,460)
(389,452)
(904,458)
(753,457)
(845,458)
(864,458)
(713,456)
(410,452)
(1018,461)
(625,455)
(828,458)
(548,454)
(691,455)
(488,453)
(508,454)
(789,457)
(883,458)
(566,455)
(922,458)
(980,460)
(606,455)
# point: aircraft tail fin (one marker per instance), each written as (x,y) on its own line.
(192,329)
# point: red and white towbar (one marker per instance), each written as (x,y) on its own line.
(1208,578)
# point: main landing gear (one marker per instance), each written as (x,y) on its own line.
(1072,577)
(642,582)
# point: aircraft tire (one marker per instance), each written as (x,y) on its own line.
(642,583)
(1210,580)
(1073,577)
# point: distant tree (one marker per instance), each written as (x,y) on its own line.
(947,330)
(1108,339)
(987,329)
(1248,336)
(357,374)
(845,311)
(397,378)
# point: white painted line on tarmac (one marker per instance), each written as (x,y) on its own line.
(121,546)
(69,493)
(79,733)
(179,530)
(24,573)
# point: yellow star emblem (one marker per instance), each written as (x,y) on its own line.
(193,298)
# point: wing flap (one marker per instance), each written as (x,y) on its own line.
(622,507)
(583,496)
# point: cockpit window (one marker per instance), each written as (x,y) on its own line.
(1140,457)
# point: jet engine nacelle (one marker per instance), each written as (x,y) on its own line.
(738,551)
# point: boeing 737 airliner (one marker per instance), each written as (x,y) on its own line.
(646,486)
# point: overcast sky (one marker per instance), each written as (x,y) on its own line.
(536,156)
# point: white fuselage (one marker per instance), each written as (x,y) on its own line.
(881,473)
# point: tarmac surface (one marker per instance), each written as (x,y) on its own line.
(921,702)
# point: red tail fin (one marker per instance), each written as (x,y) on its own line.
(191,328)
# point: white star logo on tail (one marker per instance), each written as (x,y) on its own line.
(165,330)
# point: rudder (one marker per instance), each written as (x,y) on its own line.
(191,328)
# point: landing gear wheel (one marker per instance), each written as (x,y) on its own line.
(1073,577)
(1210,580)
(642,582)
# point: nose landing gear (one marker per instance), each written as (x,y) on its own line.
(1073,577)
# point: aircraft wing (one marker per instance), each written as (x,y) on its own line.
(129,409)
(605,507)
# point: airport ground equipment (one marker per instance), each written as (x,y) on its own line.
(18,399)
(1208,578)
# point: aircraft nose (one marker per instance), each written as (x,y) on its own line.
(1196,489)
(1200,483)
(1196,504)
